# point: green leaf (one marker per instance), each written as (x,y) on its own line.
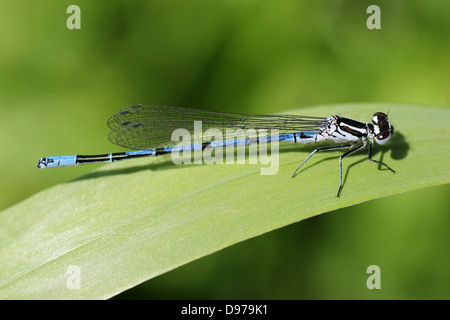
(128,222)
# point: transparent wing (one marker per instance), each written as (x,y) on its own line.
(146,127)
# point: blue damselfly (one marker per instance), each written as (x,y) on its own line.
(148,129)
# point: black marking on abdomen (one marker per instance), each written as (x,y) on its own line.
(305,136)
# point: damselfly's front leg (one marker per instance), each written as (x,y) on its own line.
(370,158)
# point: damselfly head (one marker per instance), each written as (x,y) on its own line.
(382,128)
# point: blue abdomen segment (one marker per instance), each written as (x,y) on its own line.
(307,137)
(60,161)
(65,161)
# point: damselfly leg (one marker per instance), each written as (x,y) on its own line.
(330,148)
(349,152)
(340,165)
(370,158)
(319,150)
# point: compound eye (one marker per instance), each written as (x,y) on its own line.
(375,119)
(379,117)
(383,137)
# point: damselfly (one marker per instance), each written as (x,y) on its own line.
(149,128)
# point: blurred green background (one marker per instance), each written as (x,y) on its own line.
(59,86)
